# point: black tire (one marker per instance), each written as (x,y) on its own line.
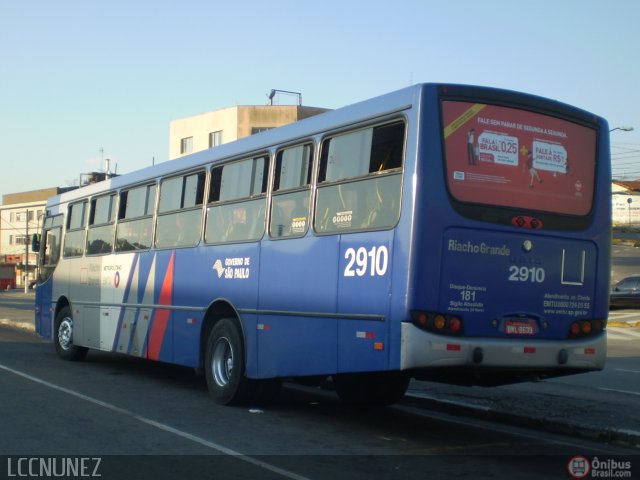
(225,369)
(63,337)
(379,388)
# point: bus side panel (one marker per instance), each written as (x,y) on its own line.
(230,273)
(194,268)
(97,288)
(159,344)
(298,275)
(134,322)
(364,288)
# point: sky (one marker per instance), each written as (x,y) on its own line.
(86,80)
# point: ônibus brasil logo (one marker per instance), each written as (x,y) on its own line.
(579,467)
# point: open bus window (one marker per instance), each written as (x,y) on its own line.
(291,194)
(181,192)
(360,180)
(237,198)
(506,157)
(180,211)
(237,180)
(135,219)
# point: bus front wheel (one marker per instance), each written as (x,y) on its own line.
(376,388)
(63,337)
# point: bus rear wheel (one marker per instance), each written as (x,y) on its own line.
(377,388)
(63,337)
(225,369)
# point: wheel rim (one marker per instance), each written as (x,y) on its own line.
(65,334)
(222,362)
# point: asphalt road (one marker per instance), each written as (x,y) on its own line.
(123,410)
(625,261)
(151,420)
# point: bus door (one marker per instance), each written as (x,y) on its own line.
(90,313)
(50,244)
(104,274)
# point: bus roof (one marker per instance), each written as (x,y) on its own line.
(386,104)
(372,108)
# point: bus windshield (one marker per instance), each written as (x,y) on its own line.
(515,158)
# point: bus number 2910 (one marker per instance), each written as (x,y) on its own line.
(360,261)
(526,274)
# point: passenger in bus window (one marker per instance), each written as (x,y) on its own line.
(237,228)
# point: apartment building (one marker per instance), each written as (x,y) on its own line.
(206,130)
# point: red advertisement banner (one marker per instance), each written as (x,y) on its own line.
(516,158)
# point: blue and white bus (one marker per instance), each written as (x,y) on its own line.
(445,232)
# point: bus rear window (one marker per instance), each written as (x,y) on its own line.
(507,157)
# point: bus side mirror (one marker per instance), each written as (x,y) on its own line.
(35,242)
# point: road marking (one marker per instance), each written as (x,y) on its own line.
(619,315)
(456,403)
(23,325)
(629,332)
(628,392)
(159,425)
(626,334)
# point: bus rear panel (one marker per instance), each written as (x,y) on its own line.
(515,282)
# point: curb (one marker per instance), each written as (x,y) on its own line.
(28,326)
(629,324)
(620,437)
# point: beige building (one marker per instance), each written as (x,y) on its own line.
(20,217)
(207,130)
(625,204)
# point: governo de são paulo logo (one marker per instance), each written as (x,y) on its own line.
(217,266)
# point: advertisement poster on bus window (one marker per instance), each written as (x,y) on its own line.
(516,158)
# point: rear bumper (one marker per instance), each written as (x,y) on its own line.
(421,349)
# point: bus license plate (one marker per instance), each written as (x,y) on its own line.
(520,327)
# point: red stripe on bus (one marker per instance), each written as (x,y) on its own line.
(161,318)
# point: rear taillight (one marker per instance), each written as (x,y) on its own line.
(441,323)
(585,328)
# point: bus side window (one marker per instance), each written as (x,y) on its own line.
(180,211)
(291,192)
(50,246)
(100,234)
(135,218)
(74,239)
(360,180)
(237,201)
